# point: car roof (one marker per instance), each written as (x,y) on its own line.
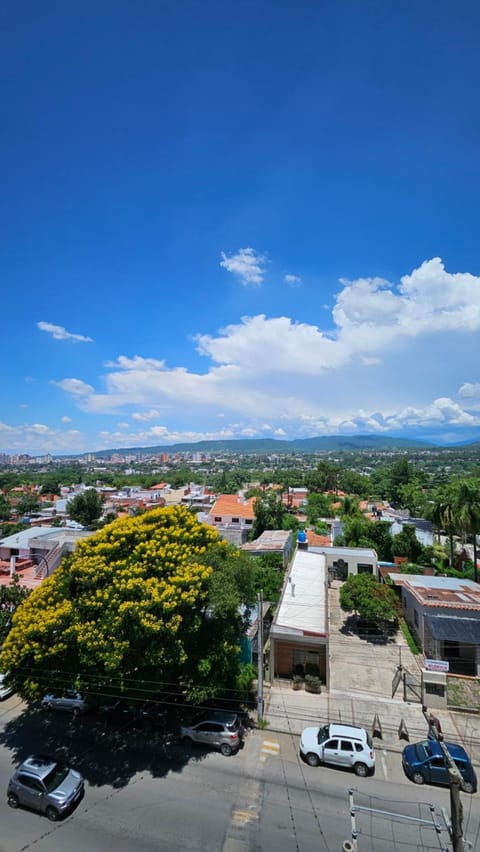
(456,751)
(339,730)
(39,765)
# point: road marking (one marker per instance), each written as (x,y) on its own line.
(384,765)
(244,816)
(270,747)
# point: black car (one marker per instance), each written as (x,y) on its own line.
(123,713)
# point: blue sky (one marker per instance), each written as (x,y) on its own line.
(230,220)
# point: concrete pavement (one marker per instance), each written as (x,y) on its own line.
(360,693)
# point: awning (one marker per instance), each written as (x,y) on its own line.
(450,628)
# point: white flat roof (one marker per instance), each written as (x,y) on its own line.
(303,607)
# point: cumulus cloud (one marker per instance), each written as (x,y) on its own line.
(292,280)
(372,370)
(246,265)
(60,333)
(66,419)
(470,390)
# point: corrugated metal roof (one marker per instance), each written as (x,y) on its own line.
(451,628)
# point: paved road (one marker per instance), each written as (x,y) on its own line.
(147,796)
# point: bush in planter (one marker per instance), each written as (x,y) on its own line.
(297,681)
(313,683)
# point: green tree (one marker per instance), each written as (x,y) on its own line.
(371,600)
(28,503)
(442,511)
(148,598)
(10,597)
(468,514)
(407,544)
(269,513)
(5,508)
(85,508)
(318,506)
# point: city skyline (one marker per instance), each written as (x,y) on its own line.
(232,222)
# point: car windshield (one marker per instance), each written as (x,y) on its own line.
(323,734)
(55,777)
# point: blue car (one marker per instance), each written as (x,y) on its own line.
(424,763)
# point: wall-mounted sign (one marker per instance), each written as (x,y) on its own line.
(437,665)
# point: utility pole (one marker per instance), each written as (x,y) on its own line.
(456,784)
(260,657)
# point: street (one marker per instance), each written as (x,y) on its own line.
(146,794)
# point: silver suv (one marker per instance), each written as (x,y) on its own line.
(44,785)
(70,701)
(218,729)
(339,745)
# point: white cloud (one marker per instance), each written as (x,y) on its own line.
(144,416)
(246,264)
(292,280)
(379,369)
(60,333)
(470,389)
(76,387)
(66,419)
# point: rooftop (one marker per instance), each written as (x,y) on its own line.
(453,592)
(303,607)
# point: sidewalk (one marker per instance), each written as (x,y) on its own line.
(360,690)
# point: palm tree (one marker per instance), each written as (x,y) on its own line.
(443,514)
(468,514)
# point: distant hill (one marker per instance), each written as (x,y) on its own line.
(258,446)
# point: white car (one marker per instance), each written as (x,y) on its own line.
(70,701)
(339,745)
(5,690)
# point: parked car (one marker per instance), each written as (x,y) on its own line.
(219,729)
(69,701)
(5,690)
(425,763)
(44,785)
(121,712)
(339,745)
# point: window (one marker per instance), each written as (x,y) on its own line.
(217,520)
(332,744)
(249,521)
(364,568)
(345,745)
(235,520)
(435,689)
(358,747)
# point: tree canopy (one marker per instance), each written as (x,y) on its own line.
(156,596)
(85,508)
(373,601)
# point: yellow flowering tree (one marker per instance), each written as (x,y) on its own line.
(141,600)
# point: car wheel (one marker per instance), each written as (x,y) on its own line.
(361,770)
(187,742)
(52,814)
(226,749)
(418,778)
(312,759)
(13,800)
(468,787)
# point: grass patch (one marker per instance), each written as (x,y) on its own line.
(409,639)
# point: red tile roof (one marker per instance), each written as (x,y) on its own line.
(233,506)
